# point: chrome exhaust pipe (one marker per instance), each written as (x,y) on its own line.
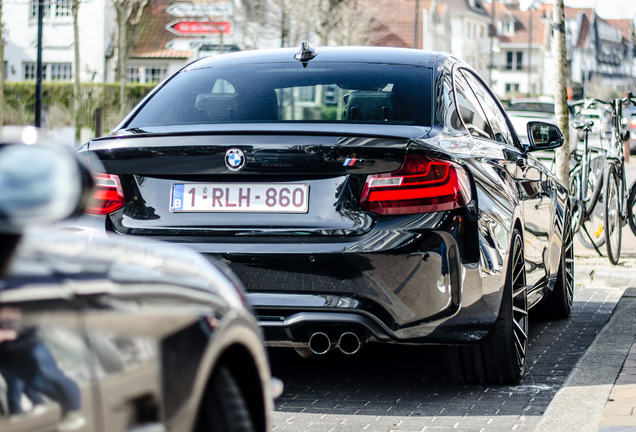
(319,343)
(349,343)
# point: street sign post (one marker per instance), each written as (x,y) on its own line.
(199,28)
(183,44)
(189,10)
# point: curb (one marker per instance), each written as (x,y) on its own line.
(579,404)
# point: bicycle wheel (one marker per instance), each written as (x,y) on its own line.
(613,227)
(577,210)
(631,208)
(593,232)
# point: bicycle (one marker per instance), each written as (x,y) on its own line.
(631,200)
(597,181)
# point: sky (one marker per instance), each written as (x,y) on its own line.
(608,9)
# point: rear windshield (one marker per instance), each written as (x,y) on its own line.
(319,92)
(546,107)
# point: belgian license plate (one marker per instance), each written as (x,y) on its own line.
(240,197)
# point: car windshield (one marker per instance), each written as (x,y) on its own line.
(317,92)
(545,107)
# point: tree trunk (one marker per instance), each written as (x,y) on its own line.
(561,91)
(121,31)
(76,74)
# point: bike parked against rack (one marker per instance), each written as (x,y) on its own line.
(597,178)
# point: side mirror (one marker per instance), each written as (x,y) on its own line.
(544,136)
(39,183)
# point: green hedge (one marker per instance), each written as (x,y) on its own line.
(57,101)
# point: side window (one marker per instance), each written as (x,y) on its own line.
(494,114)
(469,109)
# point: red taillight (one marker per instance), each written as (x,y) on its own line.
(421,185)
(108,195)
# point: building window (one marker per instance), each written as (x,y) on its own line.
(155,74)
(143,75)
(29,71)
(506,28)
(59,72)
(50,71)
(52,8)
(134,75)
(512,87)
(514,60)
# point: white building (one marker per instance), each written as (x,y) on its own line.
(96,26)
(522,53)
(159,49)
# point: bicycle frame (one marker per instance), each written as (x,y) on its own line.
(611,177)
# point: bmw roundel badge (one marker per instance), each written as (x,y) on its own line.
(234,159)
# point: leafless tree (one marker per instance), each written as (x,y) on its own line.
(322,22)
(128,14)
(356,19)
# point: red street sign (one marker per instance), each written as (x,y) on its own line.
(199,27)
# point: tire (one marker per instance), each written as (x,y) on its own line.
(558,302)
(224,407)
(595,226)
(577,210)
(499,358)
(612,219)
(631,208)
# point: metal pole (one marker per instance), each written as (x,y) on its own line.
(417,23)
(38,67)
(493,34)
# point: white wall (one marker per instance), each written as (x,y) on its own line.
(95,18)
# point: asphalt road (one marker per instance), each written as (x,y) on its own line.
(386,388)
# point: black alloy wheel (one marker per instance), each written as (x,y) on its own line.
(558,303)
(613,225)
(499,358)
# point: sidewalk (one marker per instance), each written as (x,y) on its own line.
(600,393)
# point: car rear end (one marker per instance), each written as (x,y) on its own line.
(315,183)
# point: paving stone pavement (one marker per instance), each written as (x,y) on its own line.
(387,388)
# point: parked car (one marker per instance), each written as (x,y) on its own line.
(362,194)
(532,106)
(114,335)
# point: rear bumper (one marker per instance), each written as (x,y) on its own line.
(401,283)
(426,295)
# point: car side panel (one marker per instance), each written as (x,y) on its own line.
(47,370)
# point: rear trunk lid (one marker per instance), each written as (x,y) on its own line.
(290,184)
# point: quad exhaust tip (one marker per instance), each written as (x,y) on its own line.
(349,343)
(320,343)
